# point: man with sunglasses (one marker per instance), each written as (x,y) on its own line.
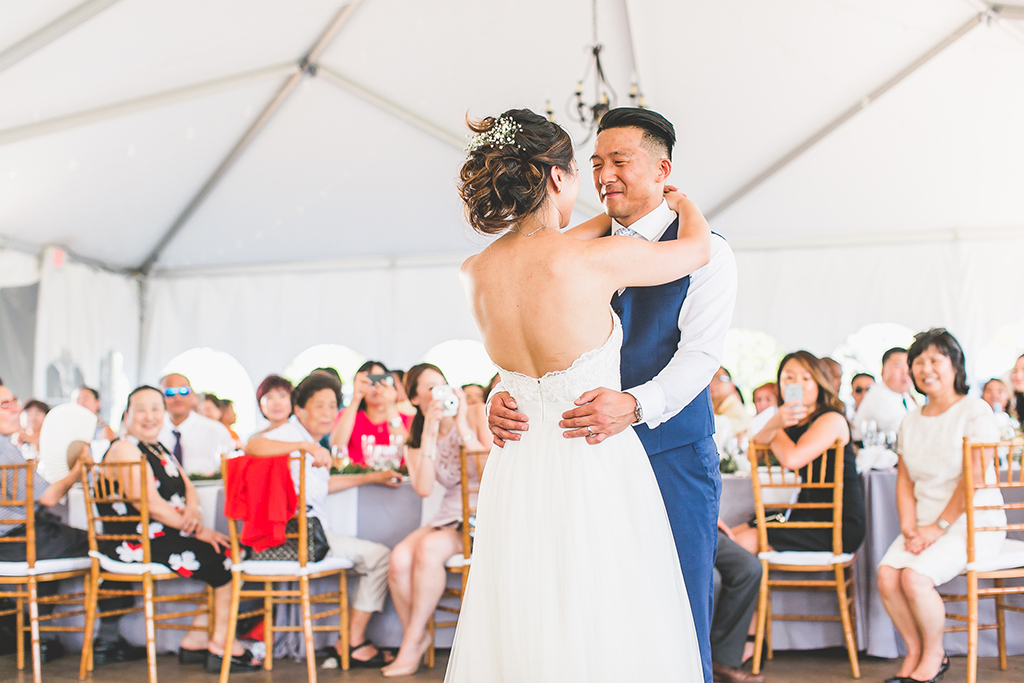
(860,384)
(196,441)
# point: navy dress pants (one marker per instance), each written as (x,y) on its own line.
(692,486)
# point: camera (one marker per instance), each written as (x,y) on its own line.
(382,378)
(449,401)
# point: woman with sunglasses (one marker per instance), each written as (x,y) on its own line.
(196,441)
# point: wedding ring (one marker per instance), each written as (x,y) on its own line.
(590,433)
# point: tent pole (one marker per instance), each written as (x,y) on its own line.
(145,102)
(254,130)
(861,104)
(52,31)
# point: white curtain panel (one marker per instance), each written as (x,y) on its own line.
(18,268)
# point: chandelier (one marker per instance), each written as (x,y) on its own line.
(588,113)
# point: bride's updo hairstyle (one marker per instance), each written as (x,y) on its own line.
(510,158)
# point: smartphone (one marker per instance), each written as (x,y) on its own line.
(793,393)
(382,378)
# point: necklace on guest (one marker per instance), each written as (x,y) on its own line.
(528,234)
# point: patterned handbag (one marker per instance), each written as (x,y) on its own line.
(316,542)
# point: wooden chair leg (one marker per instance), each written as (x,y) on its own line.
(1001,626)
(344,628)
(972,627)
(150,609)
(428,656)
(19,627)
(90,624)
(762,612)
(229,641)
(768,625)
(33,623)
(268,625)
(844,615)
(307,629)
(209,613)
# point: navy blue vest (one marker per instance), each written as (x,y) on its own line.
(650,336)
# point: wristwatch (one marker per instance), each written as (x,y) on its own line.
(638,411)
(942,524)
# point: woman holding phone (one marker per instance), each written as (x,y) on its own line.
(373,413)
(811,418)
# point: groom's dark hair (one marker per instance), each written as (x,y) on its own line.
(656,128)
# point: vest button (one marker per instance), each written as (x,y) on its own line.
(618,311)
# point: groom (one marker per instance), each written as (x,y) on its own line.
(673,336)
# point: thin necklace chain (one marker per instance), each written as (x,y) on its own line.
(528,234)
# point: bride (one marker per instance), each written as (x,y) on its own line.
(575,575)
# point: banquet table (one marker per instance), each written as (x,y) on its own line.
(875,631)
(375,513)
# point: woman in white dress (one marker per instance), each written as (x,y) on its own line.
(575,575)
(930,499)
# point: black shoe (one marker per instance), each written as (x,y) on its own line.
(120,650)
(895,679)
(186,656)
(943,668)
(49,649)
(240,664)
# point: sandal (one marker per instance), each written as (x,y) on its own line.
(374,662)
(189,656)
(239,664)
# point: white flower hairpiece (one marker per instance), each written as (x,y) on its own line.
(500,134)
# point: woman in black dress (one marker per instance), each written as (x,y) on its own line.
(799,433)
(177,536)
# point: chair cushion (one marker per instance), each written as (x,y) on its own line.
(63,564)
(1011,556)
(795,558)
(108,564)
(284,567)
(457,561)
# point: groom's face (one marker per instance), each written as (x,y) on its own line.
(628,176)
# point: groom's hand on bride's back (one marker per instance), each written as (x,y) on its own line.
(504,421)
(601,413)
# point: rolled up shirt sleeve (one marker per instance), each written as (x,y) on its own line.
(704,320)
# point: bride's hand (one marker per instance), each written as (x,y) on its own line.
(675,199)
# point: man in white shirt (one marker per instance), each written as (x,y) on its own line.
(886,402)
(196,441)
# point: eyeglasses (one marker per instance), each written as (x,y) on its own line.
(171,392)
(9,404)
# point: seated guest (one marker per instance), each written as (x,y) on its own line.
(474,393)
(228,418)
(274,397)
(835,371)
(89,399)
(997,395)
(766,402)
(54,539)
(373,413)
(315,404)
(799,435)
(737,582)
(859,386)
(417,574)
(887,402)
(726,400)
(32,415)
(209,406)
(196,441)
(1017,382)
(932,548)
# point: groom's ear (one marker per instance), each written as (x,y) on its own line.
(664,169)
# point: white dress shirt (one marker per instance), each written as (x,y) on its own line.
(884,406)
(704,319)
(318,479)
(202,442)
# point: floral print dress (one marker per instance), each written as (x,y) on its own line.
(184,554)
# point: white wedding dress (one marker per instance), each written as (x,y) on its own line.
(574,573)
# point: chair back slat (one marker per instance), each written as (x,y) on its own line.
(768,476)
(10,477)
(475,459)
(994,466)
(110,483)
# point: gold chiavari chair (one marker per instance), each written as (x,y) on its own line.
(837,563)
(126,483)
(268,573)
(995,466)
(20,580)
(459,563)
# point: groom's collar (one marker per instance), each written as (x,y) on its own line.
(653,225)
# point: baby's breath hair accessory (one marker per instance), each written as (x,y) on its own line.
(502,133)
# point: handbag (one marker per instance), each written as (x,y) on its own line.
(317,546)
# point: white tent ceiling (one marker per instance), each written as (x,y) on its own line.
(360,158)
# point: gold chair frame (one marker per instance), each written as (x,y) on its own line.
(285,595)
(842,581)
(461,567)
(24,588)
(114,483)
(978,458)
